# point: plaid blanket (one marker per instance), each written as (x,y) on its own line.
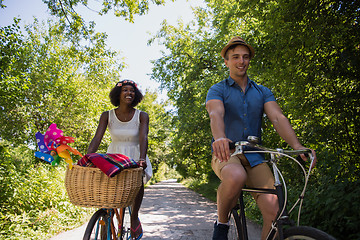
(110,164)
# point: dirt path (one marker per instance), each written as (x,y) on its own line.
(171,211)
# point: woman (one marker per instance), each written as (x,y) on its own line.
(129,129)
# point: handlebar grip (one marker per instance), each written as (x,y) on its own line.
(231,145)
(299,157)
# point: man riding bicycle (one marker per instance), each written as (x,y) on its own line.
(236,106)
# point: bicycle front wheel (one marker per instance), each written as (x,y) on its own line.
(122,221)
(97,228)
(234,229)
(306,233)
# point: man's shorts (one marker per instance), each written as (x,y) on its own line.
(259,176)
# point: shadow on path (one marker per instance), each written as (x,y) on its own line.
(171,211)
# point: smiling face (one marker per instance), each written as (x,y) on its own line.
(237,60)
(127,94)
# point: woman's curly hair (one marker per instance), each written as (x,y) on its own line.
(116,91)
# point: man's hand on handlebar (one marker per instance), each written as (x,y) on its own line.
(304,157)
(221,149)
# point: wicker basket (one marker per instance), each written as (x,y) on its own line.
(90,187)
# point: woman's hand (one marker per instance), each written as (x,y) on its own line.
(142,163)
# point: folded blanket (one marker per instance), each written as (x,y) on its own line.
(110,164)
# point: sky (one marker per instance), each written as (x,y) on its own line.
(128,38)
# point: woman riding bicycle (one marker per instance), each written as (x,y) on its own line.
(129,129)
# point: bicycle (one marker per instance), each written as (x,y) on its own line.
(283,227)
(109,224)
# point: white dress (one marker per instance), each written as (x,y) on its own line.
(125,139)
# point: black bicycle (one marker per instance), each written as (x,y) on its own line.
(283,227)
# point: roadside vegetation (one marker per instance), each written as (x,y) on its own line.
(60,71)
(34,202)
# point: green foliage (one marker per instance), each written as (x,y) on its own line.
(159,128)
(183,74)
(306,52)
(33,199)
(164,172)
(73,23)
(47,79)
(205,187)
(123,8)
(341,195)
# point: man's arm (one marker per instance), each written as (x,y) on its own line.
(216,112)
(283,127)
(282,124)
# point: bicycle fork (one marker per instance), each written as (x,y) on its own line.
(243,228)
(282,216)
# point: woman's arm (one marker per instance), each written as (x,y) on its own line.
(143,137)
(95,142)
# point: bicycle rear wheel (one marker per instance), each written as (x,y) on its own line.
(306,233)
(97,227)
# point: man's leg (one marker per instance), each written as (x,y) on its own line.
(261,176)
(233,177)
(268,205)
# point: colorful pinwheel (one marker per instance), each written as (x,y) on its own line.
(53,146)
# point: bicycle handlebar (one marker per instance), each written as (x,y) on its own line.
(253,143)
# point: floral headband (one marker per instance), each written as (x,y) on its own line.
(126,82)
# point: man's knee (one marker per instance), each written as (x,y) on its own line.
(234,175)
(268,205)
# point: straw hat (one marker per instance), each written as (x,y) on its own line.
(237,41)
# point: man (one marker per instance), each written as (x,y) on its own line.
(236,106)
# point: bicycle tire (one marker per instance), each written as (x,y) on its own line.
(97,226)
(306,233)
(234,227)
(125,215)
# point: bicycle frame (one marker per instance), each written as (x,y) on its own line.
(111,232)
(280,190)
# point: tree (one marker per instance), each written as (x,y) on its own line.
(160,129)
(70,20)
(307,53)
(46,79)
(185,73)
(121,8)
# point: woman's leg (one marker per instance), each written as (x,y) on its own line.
(136,229)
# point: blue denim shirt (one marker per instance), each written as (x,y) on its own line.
(243,110)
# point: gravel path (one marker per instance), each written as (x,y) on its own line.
(171,211)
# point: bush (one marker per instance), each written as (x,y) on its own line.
(332,206)
(33,198)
